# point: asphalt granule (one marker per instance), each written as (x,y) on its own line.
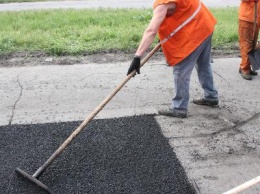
(110,156)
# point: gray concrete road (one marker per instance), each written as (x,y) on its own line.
(218,147)
(100,3)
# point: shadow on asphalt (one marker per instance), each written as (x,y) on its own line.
(125,155)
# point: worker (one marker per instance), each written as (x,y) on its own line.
(190,46)
(246,33)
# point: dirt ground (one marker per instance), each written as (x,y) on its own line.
(19,59)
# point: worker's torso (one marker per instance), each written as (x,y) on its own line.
(247,11)
(186,40)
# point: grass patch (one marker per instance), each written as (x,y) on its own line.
(77,32)
(226,31)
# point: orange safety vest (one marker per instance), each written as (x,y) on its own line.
(247,11)
(186,40)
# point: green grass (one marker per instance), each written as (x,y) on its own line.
(77,32)
(226,31)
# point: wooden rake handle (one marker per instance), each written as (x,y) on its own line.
(244,186)
(91,116)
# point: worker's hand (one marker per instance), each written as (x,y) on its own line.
(135,65)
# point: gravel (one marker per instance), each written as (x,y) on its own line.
(123,155)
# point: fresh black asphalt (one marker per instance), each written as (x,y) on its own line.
(110,156)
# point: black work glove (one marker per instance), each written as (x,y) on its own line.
(135,65)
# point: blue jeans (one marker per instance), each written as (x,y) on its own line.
(182,71)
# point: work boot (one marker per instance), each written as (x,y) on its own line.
(252,72)
(246,76)
(172,113)
(206,102)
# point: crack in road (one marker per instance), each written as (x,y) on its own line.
(222,78)
(224,129)
(237,125)
(19,97)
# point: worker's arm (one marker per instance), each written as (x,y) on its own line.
(149,35)
(159,14)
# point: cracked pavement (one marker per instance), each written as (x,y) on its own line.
(219,148)
(14,106)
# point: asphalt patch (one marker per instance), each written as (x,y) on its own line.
(110,156)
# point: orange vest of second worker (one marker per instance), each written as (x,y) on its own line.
(247,11)
(186,40)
